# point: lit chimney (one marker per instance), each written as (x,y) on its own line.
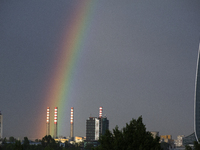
(48,122)
(55,122)
(72,124)
(100,112)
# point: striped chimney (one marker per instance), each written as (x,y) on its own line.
(48,115)
(72,115)
(55,122)
(72,124)
(55,115)
(100,112)
(48,121)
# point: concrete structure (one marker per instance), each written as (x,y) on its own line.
(95,127)
(154,134)
(62,140)
(167,139)
(72,124)
(103,125)
(197,100)
(189,140)
(55,122)
(103,122)
(1,126)
(48,122)
(179,141)
(92,129)
(79,139)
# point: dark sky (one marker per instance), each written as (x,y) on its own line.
(139,58)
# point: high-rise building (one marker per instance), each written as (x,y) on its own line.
(48,122)
(72,124)
(55,122)
(1,126)
(95,127)
(197,100)
(92,129)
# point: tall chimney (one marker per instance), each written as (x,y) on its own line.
(72,124)
(100,112)
(55,122)
(48,122)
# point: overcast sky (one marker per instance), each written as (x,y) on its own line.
(139,58)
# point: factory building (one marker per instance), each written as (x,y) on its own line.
(95,127)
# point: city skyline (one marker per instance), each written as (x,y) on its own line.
(132,58)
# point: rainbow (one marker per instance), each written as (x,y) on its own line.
(62,76)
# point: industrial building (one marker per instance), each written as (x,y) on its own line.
(95,127)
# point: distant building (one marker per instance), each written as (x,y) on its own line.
(1,126)
(103,125)
(189,140)
(61,139)
(197,100)
(179,141)
(92,129)
(167,139)
(79,139)
(154,134)
(95,127)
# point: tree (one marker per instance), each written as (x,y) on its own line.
(132,137)
(18,145)
(26,143)
(12,139)
(188,147)
(196,145)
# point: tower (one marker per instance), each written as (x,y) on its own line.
(92,129)
(1,125)
(103,122)
(100,112)
(197,100)
(55,122)
(48,122)
(72,124)
(95,127)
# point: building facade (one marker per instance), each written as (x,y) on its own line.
(92,129)
(103,125)
(1,126)
(95,127)
(197,100)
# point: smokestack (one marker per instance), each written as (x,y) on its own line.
(48,122)
(55,122)
(72,124)
(1,125)
(100,112)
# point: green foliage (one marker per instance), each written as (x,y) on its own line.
(26,143)
(132,137)
(18,145)
(188,147)
(12,139)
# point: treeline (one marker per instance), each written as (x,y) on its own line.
(47,143)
